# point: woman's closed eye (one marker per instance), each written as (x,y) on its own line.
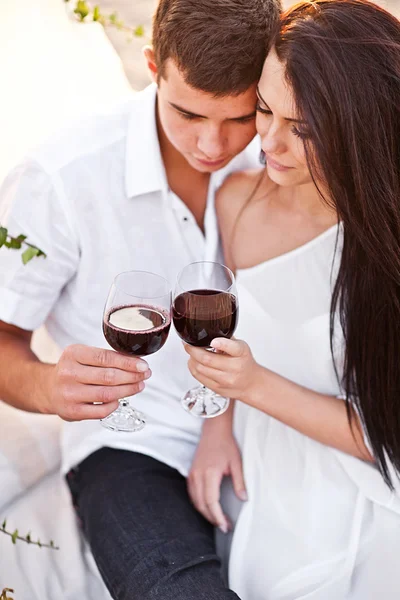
(263,111)
(303,135)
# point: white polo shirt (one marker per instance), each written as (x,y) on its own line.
(96,200)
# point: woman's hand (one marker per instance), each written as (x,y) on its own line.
(319,416)
(217,456)
(232,372)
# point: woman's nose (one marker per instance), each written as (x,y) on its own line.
(273,143)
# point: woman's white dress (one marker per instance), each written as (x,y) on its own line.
(319,524)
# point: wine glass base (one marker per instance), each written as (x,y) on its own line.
(124,419)
(203,403)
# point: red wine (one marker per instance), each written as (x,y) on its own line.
(203,315)
(137,330)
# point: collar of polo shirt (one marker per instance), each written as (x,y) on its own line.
(143,147)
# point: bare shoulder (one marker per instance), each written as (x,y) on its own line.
(232,201)
(234,194)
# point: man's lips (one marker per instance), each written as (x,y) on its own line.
(210,163)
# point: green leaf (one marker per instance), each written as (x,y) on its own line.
(29,253)
(3,236)
(14,243)
(51,544)
(28,538)
(113,18)
(14,536)
(139,31)
(39,543)
(82,9)
(96,13)
(4,524)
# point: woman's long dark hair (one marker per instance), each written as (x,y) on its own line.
(342,60)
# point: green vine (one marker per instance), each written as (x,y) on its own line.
(14,535)
(16,243)
(83,11)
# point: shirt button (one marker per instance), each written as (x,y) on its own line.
(185,219)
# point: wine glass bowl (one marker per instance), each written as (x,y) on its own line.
(136,322)
(202,315)
(136,330)
(205,307)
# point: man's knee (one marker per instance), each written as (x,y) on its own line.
(174,572)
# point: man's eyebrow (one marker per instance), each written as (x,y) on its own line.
(192,114)
(186,112)
(286,118)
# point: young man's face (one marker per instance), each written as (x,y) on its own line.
(206,130)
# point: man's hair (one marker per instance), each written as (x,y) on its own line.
(219,45)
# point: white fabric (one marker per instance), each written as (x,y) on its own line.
(96,200)
(29,450)
(319,524)
(35,573)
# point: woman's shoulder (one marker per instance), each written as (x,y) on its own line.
(239,183)
(236,191)
(239,191)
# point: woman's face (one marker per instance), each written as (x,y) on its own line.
(282,134)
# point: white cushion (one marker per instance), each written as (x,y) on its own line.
(29,450)
(43,574)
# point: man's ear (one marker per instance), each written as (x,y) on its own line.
(148,54)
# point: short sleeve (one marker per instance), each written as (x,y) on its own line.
(32,203)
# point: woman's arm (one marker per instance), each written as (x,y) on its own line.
(318,416)
(218,454)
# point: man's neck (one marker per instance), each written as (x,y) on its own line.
(187,183)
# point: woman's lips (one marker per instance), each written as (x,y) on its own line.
(276,165)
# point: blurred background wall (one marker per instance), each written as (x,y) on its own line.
(134,11)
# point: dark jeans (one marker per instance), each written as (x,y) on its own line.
(148,541)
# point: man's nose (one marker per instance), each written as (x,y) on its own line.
(211,142)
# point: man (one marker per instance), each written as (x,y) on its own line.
(133,189)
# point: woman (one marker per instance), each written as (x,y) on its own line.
(315,243)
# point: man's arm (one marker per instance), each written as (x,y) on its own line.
(83,376)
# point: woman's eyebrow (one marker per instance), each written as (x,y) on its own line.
(286,118)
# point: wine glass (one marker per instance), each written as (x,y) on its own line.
(205,307)
(137,320)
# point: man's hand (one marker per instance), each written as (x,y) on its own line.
(217,456)
(86,376)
